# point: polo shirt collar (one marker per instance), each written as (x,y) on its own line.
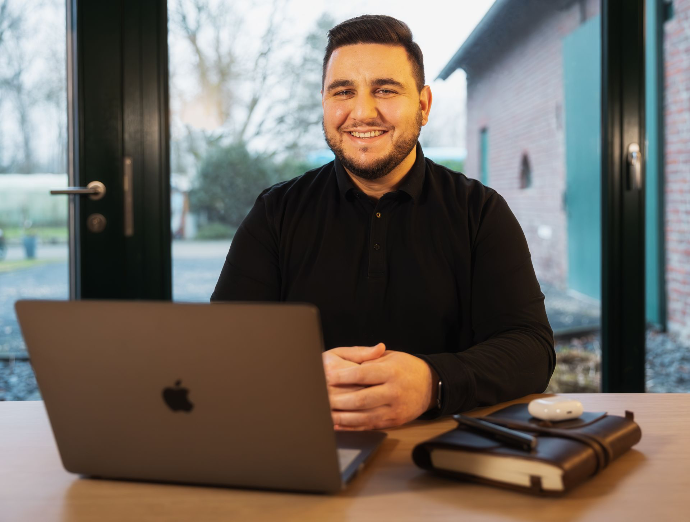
(411,184)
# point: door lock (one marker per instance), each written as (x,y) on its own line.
(96,223)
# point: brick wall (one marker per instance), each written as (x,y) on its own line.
(520,100)
(677,167)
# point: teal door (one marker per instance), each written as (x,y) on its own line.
(655,281)
(582,90)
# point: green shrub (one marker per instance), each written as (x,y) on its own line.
(229,181)
(456,165)
(216,231)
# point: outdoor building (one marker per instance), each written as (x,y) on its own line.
(534,131)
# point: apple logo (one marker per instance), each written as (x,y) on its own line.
(176,398)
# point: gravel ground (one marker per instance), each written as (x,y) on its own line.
(577,369)
(17,381)
(578,365)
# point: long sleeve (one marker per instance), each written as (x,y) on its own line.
(514,351)
(469,301)
(251,271)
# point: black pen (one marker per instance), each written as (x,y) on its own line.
(513,438)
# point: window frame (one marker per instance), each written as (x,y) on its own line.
(122,70)
(623,210)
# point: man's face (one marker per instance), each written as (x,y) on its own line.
(372,110)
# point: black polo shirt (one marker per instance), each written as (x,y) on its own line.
(438,268)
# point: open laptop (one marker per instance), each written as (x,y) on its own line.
(230,394)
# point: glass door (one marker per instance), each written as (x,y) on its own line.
(522,115)
(83,111)
(534,127)
(34,158)
(244,112)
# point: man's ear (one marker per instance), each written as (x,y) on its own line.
(425,99)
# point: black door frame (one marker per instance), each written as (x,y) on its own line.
(120,68)
(623,210)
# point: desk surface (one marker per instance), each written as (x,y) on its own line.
(650,482)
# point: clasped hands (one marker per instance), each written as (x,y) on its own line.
(370,387)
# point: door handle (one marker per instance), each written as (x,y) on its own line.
(634,181)
(95,190)
(127,186)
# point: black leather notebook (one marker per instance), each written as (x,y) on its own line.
(567,452)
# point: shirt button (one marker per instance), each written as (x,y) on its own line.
(378,214)
(377,246)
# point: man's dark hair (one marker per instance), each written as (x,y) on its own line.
(377,29)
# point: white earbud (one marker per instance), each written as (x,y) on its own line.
(555,408)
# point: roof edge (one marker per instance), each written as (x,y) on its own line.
(506,12)
(488,19)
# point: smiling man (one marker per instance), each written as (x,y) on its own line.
(425,285)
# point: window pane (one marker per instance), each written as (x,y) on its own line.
(525,120)
(533,134)
(245,81)
(33,160)
(667,227)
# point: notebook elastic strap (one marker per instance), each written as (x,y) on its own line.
(602,449)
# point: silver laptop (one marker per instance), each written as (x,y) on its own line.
(230,394)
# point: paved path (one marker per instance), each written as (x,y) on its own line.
(43,251)
(196,266)
(180,250)
(48,281)
(195,279)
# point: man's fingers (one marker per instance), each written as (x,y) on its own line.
(364,399)
(362,375)
(359,354)
(333,362)
(365,419)
(337,390)
(349,428)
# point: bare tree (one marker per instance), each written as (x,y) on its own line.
(21,98)
(299,124)
(53,89)
(252,94)
(9,21)
(211,30)
(32,79)
(446,127)
(199,22)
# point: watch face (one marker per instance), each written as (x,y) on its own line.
(438,395)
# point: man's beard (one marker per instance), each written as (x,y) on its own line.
(382,166)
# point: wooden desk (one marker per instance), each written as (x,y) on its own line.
(650,483)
